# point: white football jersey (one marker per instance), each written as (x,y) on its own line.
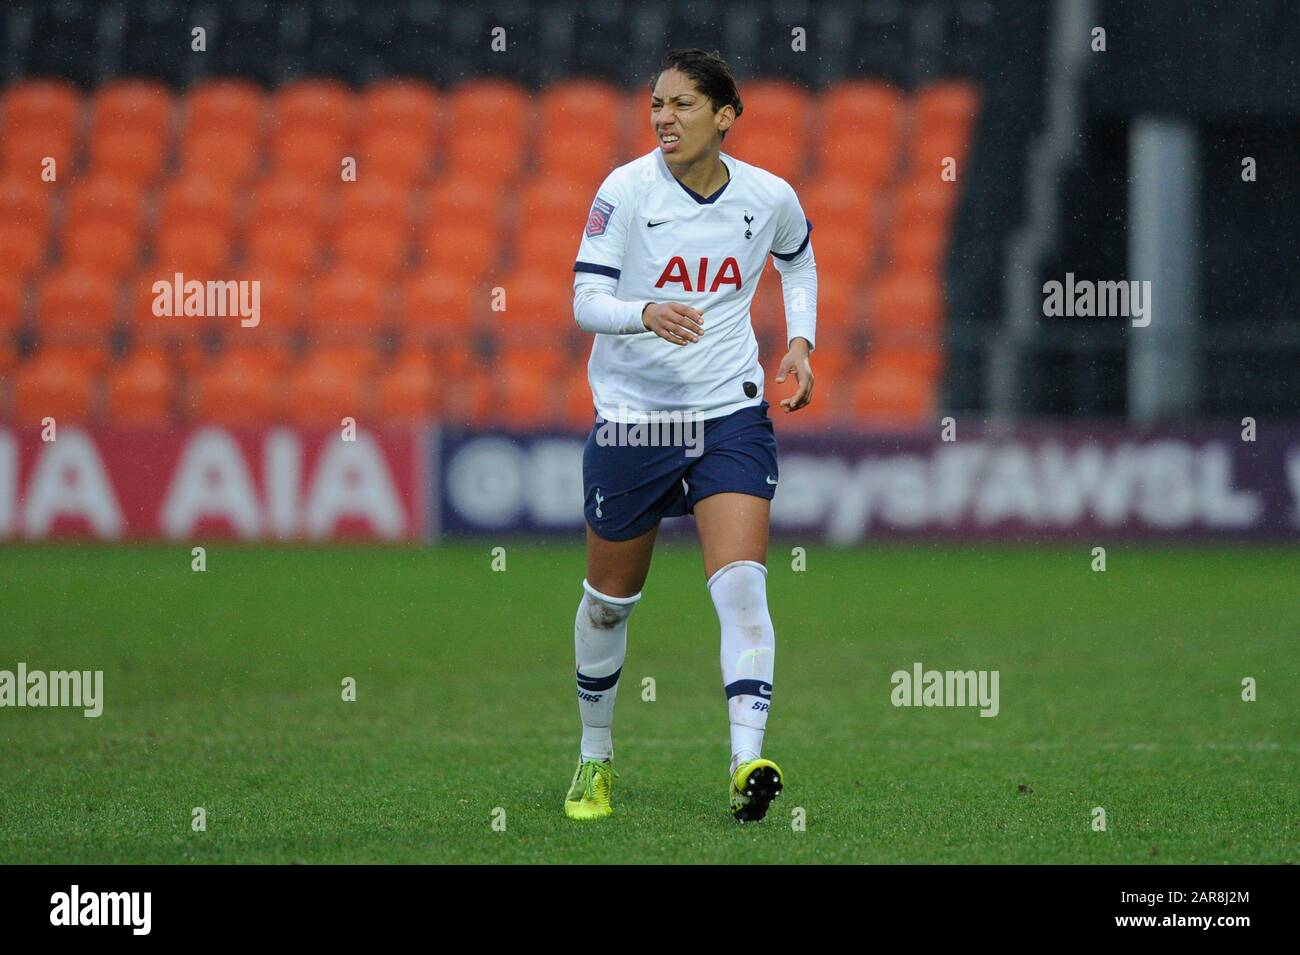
(663,242)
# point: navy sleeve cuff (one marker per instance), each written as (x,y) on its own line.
(603,269)
(787,256)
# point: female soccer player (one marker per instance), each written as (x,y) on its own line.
(667,268)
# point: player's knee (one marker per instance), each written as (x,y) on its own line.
(605,612)
(739,592)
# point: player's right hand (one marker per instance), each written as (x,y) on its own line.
(674,322)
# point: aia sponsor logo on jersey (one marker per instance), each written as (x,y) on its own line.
(676,273)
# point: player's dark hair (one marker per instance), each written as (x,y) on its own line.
(710,73)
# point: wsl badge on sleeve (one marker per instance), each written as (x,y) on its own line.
(598,221)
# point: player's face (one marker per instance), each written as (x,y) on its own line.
(682,118)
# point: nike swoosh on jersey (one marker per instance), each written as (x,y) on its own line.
(651,225)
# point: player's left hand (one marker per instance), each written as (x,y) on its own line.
(796,363)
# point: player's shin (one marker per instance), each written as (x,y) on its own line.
(739,592)
(600,643)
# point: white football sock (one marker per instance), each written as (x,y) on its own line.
(739,592)
(600,643)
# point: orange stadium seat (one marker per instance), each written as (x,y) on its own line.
(289,200)
(39,118)
(345,305)
(590,108)
(398,104)
(925,198)
(495,157)
(280,317)
(452,201)
(437,306)
(475,400)
(324,105)
(281,246)
(837,306)
(372,200)
(25,201)
(375,249)
(11,322)
(843,252)
(407,389)
(465,247)
(44,104)
(943,119)
(11,304)
(234,392)
(451,359)
(906,308)
(397,133)
(558,199)
(494,103)
(888,393)
(839,200)
(226,106)
(537,300)
(140,106)
(230,155)
(55,383)
(946,103)
(867,105)
(99,246)
(272,360)
(22,249)
(127,153)
(521,395)
(858,154)
(593,106)
(556,157)
(323,390)
(25,151)
(776,105)
(198,250)
(314,155)
(130,129)
(75,305)
(198,199)
(280,306)
(919,247)
(107,199)
(549,246)
(141,390)
(393,155)
(548,360)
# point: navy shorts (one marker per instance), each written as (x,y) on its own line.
(629,488)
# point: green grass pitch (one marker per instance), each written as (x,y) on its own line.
(1119,690)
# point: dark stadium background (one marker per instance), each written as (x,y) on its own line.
(963,460)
